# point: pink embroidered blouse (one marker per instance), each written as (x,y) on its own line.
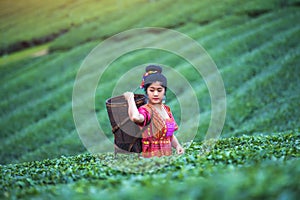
(157,143)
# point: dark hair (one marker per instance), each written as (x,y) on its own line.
(153,74)
(154,68)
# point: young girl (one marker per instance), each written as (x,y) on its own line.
(158,138)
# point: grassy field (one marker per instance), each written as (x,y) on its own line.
(255,46)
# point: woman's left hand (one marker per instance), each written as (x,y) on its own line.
(179,149)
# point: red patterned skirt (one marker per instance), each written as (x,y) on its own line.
(156,147)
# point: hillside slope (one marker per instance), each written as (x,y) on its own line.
(255,46)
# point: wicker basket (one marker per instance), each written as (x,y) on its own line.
(127,135)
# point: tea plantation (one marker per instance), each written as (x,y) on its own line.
(254,44)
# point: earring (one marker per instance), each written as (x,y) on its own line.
(164,99)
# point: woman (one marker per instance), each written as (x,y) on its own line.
(158,138)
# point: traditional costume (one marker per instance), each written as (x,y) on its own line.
(158,132)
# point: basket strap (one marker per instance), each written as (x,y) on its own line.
(141,131)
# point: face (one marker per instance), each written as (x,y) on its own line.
(155,93)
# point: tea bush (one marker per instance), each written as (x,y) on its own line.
(224,166)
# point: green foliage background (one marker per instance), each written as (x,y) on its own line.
(255,45)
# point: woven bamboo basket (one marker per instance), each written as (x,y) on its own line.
(127,135)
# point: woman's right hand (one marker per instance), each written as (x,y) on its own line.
(128,95)
(133,112)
